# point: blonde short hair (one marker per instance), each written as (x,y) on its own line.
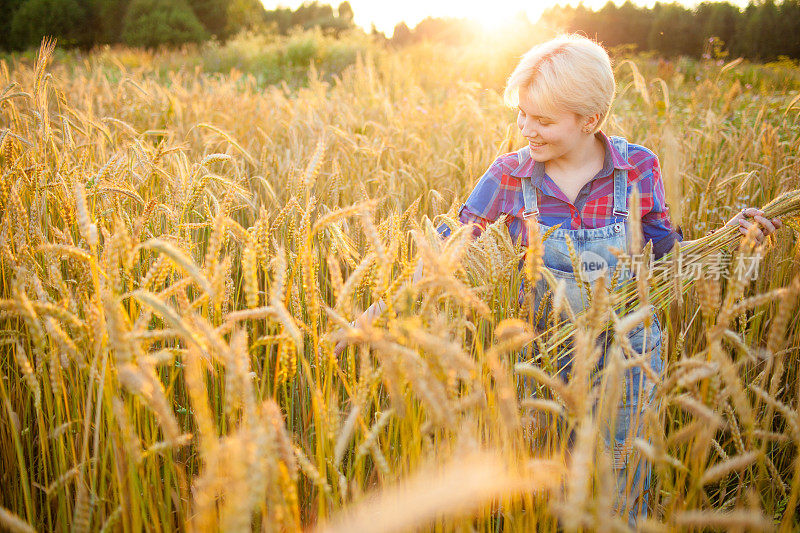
(567,72)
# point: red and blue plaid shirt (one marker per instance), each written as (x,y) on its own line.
(499,191)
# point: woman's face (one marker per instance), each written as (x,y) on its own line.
(550,134)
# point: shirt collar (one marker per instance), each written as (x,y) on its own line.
(528,167)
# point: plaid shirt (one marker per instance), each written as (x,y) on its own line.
(499,191)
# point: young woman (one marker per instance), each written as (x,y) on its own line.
(572,174)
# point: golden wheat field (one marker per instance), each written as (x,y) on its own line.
(181,250)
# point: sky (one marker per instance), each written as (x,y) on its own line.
(386,13)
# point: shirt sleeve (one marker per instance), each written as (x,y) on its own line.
(484,204)
(656,224)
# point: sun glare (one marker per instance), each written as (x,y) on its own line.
(494,21)
(385,15)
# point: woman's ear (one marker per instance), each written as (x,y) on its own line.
(591,121)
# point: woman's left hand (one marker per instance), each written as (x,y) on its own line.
(752,215)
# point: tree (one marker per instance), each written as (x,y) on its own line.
(378,37)
(558,16)
(62,19)
(446,29)
(790,27)
(107,18)
(674,32)
(7,10)
(609,28)
(765,30)
(635,23)
(245,15)
(718,19)
(583,21)
(759,31)
(345,11)
(401,35)
(280,18)
(212,14)
(150,23)
(309,14)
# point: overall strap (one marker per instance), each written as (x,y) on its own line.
(620,179)
(529,194)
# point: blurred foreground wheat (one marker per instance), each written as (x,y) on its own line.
(178,260)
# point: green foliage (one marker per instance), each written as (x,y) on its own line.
(150,23)
(63,19)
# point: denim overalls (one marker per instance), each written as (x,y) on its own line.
(593,247)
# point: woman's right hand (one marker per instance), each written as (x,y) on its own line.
(766,226)
(374,310)
(366,317)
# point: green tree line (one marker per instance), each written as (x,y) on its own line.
(762,31)
(149,23)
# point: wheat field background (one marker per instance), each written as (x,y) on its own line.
(180,250)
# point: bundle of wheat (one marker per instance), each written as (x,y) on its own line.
(664,286)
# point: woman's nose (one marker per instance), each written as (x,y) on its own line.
(528,129)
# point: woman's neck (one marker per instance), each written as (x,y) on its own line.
(571,176)
(584,156)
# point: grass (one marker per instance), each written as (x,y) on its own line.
(178,258)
